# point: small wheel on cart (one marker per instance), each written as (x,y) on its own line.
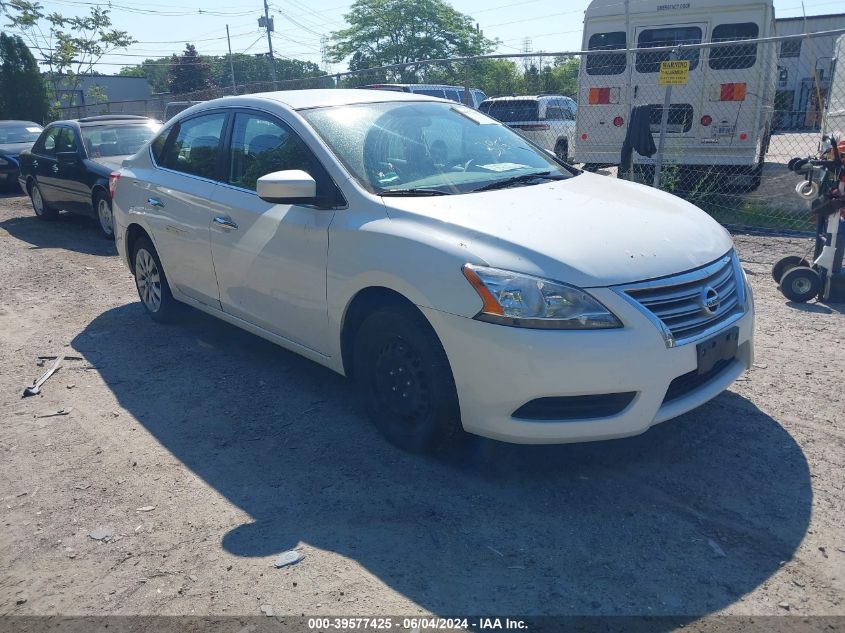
(787,263)
(800,284)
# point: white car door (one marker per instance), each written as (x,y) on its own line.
(270,259)
(179,204)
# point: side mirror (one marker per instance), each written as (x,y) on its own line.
(292,186)
(67,158)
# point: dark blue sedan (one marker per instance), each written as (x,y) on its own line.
(15,137)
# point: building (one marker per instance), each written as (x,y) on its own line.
(804,70)
(98,94)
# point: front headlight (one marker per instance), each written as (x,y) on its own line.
(524,301)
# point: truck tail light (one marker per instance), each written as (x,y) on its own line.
(618,121)
(732,92)
(603,96)
(743,136)
(706,120)
(113,178)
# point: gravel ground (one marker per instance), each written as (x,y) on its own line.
(206,452)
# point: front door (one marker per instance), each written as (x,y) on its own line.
(270,259)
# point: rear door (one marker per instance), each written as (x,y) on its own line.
(180,203)
(44,165)
(686,100)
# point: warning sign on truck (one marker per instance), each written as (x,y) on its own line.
(674,73)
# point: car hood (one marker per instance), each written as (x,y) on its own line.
(13,149)
(588,230)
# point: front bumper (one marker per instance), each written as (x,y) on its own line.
(498,369)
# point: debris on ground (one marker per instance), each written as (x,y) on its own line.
(267,610)
(291,557)
(145,509)
(102,534)
(64,411)
(784,605)
(35,389)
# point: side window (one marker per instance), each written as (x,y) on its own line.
(66,141)
(195,148)
(606,63)
(667,36)
(261,146)
(158,145)
(47,144)
(790,48)
(736,56)
(556,112)
(452,95)
(431,92)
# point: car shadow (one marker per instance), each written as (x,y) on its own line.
(682,520)
(68,231)
(818,308)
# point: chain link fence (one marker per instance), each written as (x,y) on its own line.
(715,123)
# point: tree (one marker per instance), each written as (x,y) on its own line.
(70,47)
(188,72)
(385,32)
(22,91)
(154,70)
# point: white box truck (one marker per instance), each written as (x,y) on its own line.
(719,122)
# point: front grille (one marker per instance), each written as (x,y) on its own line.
(682,385)
(679,301)
(575,407)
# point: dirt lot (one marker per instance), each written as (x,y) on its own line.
(207,452)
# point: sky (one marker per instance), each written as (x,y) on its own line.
(162,28)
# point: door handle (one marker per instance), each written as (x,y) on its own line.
(55,169)
(34,164)
(225,222)
(155,202)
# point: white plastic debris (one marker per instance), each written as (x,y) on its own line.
(291,557)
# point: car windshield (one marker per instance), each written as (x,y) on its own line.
(428,148)
(23,133)
(117,140)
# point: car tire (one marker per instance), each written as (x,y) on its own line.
(562,151)
(406,381)
(151,283)
(800,284)
(102,207)
(43,211)
(785,264)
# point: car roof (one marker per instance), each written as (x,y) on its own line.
(115,119)
(317,98)
(15,122)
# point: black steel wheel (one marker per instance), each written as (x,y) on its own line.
(787,263)
(800,284)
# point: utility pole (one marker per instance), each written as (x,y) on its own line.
(266,22)
(231,63)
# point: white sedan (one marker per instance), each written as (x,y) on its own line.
(465,279)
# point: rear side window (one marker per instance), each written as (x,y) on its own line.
(667,36)
(557,112)
(196,146)
(453,95)
(606,63)
(514,110)
(737,56)
(158,144)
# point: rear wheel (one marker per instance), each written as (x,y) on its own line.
(102,204)
(562,151)
(39,205)
(786,264)
(151,282)
(800,284)
(406,380)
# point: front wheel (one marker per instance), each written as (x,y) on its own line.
(104,214)
(800,284)
(151,282)
(406,380)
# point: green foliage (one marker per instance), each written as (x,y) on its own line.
(188,72)
(70,47)
(384,32)
(22,92)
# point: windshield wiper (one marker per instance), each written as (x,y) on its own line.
(419,191)
(515,180)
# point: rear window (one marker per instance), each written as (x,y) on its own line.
(514,110)
(737,56)
(116,140)
(606,63)
(430,92)
(667,36)
(678,121)
(24,133)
